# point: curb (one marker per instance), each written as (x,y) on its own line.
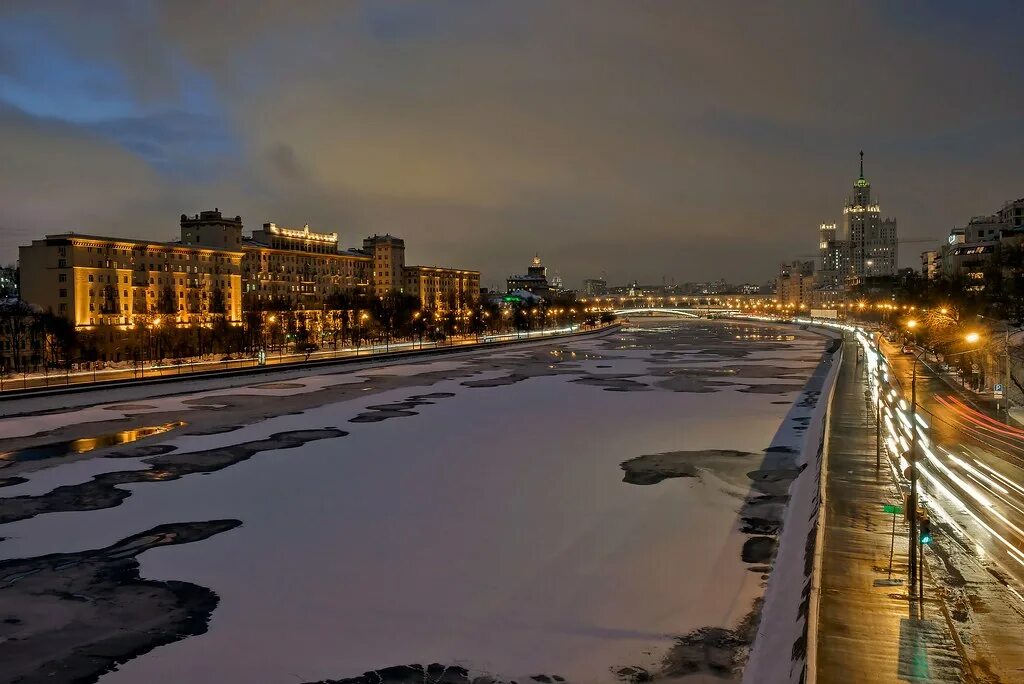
(811,664)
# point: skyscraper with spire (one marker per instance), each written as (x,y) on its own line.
(863,245)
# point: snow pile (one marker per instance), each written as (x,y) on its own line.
(779,653)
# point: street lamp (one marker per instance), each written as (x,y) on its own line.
(912,503)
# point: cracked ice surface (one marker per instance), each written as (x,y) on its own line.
(490,528)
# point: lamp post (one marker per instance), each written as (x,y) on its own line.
(915,539)
(912,503)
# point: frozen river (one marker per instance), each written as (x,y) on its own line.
(491,511)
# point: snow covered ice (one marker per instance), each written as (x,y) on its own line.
(471,511)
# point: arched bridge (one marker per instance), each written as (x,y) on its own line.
(687,312)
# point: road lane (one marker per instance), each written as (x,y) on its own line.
(972,484)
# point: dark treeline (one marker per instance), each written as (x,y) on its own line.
(32,340)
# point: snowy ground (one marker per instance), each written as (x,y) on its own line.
(470,511)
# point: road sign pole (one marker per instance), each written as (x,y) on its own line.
(893,510)
(920,579)
(892,545)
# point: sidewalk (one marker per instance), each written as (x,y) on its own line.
(868,630)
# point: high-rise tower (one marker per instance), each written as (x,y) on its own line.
(863,245)
(870,247)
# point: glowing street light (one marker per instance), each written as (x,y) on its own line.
(972,337)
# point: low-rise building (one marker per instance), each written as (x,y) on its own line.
(534,281)
(795,283)
(441,289)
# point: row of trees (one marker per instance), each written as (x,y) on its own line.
(996,291)
(948,308)
(35,341)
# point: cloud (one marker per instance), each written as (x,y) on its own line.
(640,139)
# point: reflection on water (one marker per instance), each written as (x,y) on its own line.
(80,446)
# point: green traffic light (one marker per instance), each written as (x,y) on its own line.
(926,539)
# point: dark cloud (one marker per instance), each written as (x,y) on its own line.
(640,139)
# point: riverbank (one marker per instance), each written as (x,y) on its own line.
(127,375)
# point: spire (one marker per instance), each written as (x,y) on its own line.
(861,182)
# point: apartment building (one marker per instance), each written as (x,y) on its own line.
(214,270)
(92,279)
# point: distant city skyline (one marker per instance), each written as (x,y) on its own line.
(663,140)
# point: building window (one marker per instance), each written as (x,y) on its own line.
(63,292)
(62,277)
(90,277)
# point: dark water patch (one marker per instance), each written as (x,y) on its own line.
(432,395)
(83,444)
(772,388)
(763,515)
(757,525)
(128,407)
(399,409)
(620,382)
(773,481)
(279,385)
(509,379)
(653,468)
(143,451)
(758,550)
(215,430)
(809,400)
(530,369)
(102,491)
(715,651)
(434,673)
(781,449)
(660,371)
(692,384)
(11,481)
(780,402)
(379,415)
(72,617)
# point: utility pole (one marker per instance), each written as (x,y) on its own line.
(1006,382)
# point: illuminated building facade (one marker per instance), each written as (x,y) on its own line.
(94,280)
(867,244)
(535,281)
(213,270)
(300,269)
(831,257)
(794,284)
(441,288)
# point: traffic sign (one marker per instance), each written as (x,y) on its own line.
(998,387)
(892,508)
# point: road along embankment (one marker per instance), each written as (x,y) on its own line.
(783,647)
